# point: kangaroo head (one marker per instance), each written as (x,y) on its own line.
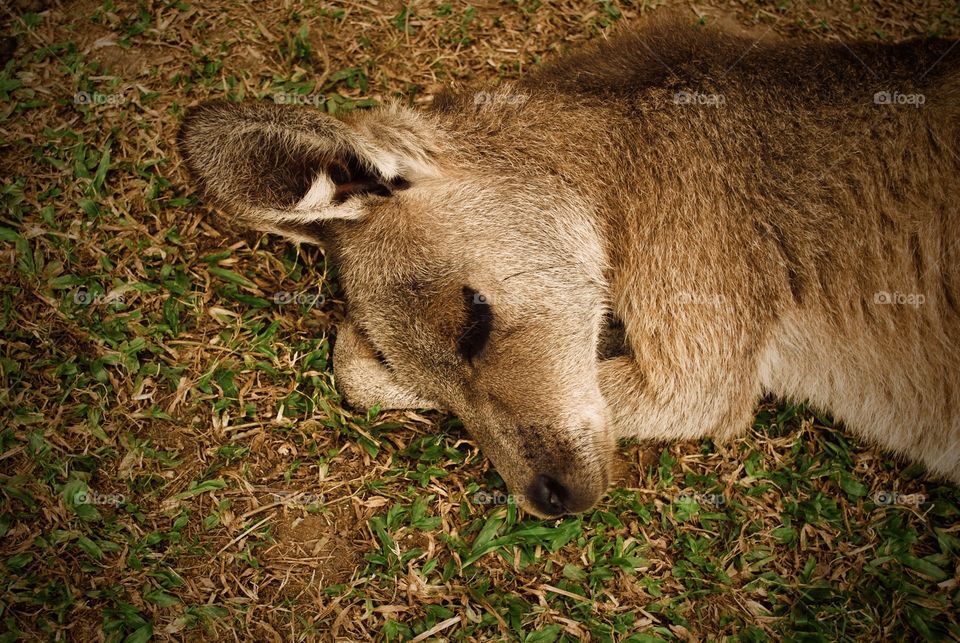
(474,280)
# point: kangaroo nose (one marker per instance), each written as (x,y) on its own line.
(548,496)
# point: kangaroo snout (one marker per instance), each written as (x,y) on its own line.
(551,468)
(549,496)
(554,470)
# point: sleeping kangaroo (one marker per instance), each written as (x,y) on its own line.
(640,239)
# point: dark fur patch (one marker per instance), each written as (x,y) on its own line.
(478,325)
(613,338)
(352,178)
(917,256)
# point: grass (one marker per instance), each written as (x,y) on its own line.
(175,462)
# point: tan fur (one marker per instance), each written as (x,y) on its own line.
(734,212)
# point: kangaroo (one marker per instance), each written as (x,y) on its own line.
(641,239)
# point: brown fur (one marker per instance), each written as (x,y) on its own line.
(652,266)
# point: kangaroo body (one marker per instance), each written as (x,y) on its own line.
(641,239)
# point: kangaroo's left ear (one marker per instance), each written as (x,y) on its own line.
(364,381)
(289,169)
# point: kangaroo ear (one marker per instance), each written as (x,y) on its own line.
(291,169)
(364,381)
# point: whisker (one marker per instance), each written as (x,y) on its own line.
(524,272)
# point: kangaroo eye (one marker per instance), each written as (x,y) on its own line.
(476,330)
(381,358)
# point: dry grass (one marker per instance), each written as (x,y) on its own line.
(231,496)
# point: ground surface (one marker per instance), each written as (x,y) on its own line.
(175,463)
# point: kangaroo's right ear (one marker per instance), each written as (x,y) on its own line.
(290,169)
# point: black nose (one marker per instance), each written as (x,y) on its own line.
(548,496)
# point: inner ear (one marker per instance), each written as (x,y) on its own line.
(351,178)
(364,381)
(290,171)
(278,176)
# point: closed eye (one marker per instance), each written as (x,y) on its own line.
(382,359)
(476,330)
